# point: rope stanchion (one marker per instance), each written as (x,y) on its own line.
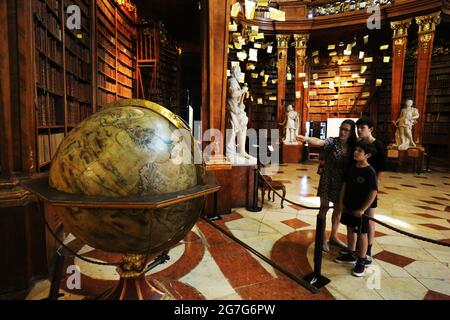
(316,279)
(254,207)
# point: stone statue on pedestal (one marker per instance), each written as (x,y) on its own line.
(290,126)
(405,122)
(237,120)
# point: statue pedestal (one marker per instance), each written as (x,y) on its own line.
(291,153)
(410,160)
(236,189)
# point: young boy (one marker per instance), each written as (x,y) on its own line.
(358,193)
(378,162)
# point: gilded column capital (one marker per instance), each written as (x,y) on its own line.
(400,28)
(428,23)
(283,40)
(301,40)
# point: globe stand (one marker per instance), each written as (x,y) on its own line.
(133,285)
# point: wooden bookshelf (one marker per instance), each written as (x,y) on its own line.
(116,49)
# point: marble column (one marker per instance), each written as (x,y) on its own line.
(301,93)
(427,28)
(282,49)
(399,45)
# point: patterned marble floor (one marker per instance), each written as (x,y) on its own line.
(208,265)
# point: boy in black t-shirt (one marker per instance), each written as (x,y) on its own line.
(358,193)
(378,161)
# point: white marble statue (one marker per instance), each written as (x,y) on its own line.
(290,125)
(405,122)
(237,120)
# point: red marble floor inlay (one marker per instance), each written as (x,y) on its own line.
(428,184)
(445,240)
(295,223)
(234,215)
(432,202)
(391,188)
(379,234)
(428,216)
(447,184)
(434,226)
(433,295)
(427,208)
(447,208)
(393,258)
(408,185)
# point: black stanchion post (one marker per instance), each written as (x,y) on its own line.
(57,275)
(315,278)
(254,207)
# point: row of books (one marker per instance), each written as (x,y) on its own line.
(106,69)
(106,56)
(48,45)
(78,90)
(47,146)
(77,67)
(124,91)
(47,19)
(77,112)
(104,97)
(106,44)
(79,50)
(47,113)
(124,80)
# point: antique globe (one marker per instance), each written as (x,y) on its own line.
(131,149)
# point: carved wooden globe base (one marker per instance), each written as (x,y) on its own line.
(133,284)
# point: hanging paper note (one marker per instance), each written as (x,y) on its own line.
(379,82)
(349,47)
(386,59)
(318,82)
(254,75)
(354,44)
(269,49)
(277,15)
(365,94)
(288,77)
(305,84)
(241,78)
(316,60)
(253,54)
(361,55)
(235,9)
(250,66)
(331,46)
(274,81)
(368,59)
(298,94)
(315,76)
(273,98)
(230,46)
(384,47)
(259,36)
(232,27)
(250,7)
(234,64)
(363,69)
(266,77)
(260,101)
(331,84)
(264,84)
(366,39)
(255,29)
(237,46)
(257,45)
(333,53)
(228,73)
(302,75)
(263,3)
(315,53)
(242,55)
(347,52)
(261,73)
(355,75)
(362,80)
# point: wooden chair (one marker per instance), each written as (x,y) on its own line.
(276,185)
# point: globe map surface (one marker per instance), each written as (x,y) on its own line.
(127,149)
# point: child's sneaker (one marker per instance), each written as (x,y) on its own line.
(367,262)
(348,258)
(360,268)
